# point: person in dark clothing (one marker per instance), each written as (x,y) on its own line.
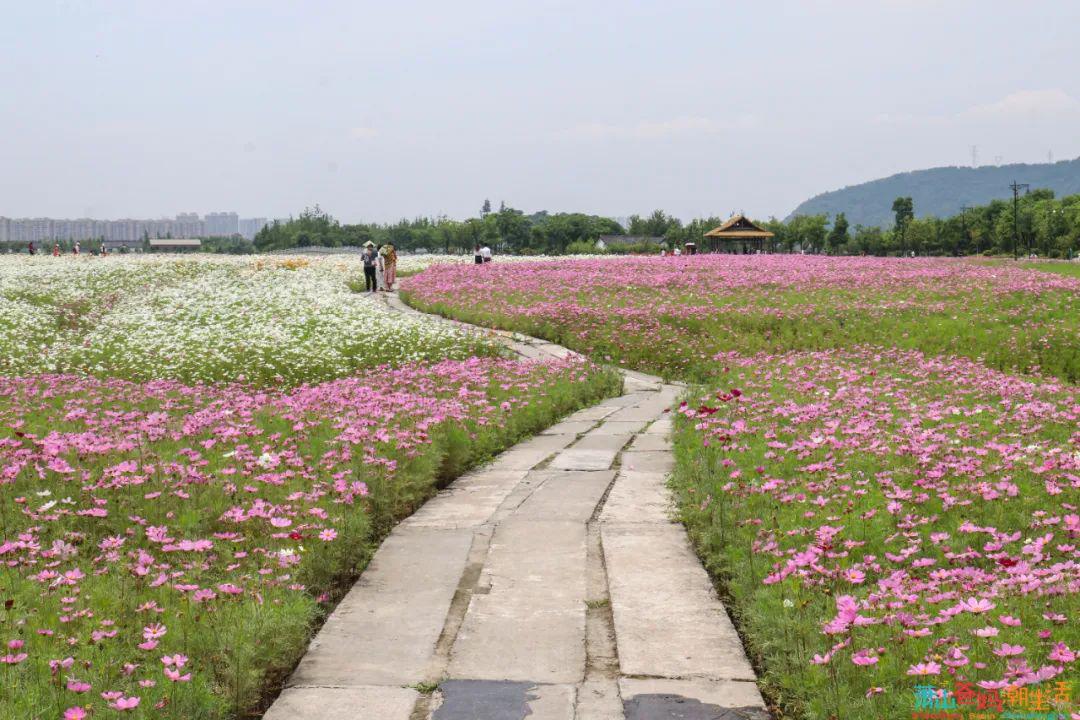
(370,256)
(477,257)
(33,250)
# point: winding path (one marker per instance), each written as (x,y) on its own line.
(550,583)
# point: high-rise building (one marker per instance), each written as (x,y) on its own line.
(249,227)
(222,224)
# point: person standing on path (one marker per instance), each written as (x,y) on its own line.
(75,249)
(56,250)
(380,269)
(485,253)
(478,258)
(369,266)
(391,265)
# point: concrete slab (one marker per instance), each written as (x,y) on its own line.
(668,619)
(469,501)
(628,400)
(655,461)
(599,700)
(524,458)
(550,443)
(529,625)
(557,351)
(565,495)
(501,700)
(583,459)
(385,629)
(614,427)
(648,411)
(594,413)
(602,441)
(663,426)
(638,497)
(650,443)
(570,427)
(330,703)
(657,699)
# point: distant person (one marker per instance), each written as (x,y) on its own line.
(391,265)
(75,248)
(485,253)
(369,256)
(31,248)
(678,252)
(380,269)
(478,257)
(56,250)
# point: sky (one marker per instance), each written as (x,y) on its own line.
(383,110)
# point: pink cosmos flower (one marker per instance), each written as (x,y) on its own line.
(977,605)
(864,658)
(1009,620)
(328,535)
(74,713)
(1007,650)
(126,703)
(986,632)
(928,668)
(77,686)
(154,631)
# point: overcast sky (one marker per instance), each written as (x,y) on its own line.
(379,110)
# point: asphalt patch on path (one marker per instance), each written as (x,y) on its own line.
(484,700)
(677,707)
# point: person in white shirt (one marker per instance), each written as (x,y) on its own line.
(485,253)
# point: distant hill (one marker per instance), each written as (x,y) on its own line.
(940,191)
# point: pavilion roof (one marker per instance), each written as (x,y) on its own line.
(739,227)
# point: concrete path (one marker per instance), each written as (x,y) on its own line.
(549,584)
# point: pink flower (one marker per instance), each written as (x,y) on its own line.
(15,644)
(864,658)
(154,631)
(78,686)
(1061,653)
(328,535)
(977,605)
(986,632)
(125,703)
(853,576)
(280,522)
(74,713)
(928,668)
(1009,620)
(1007,650)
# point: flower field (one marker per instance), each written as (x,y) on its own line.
(198,455)
(879,529)
(695,307)
(205,319)
(880,463)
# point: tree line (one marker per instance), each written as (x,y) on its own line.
(1038,223)
(1042,225)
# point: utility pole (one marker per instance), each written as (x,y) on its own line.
(1016,187)
(963,225)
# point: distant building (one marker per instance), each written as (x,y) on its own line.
(174,244)
(250,227)
(222,224)
(738,235)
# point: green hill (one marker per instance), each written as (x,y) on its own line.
(940,191)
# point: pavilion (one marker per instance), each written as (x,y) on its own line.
(738,235)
